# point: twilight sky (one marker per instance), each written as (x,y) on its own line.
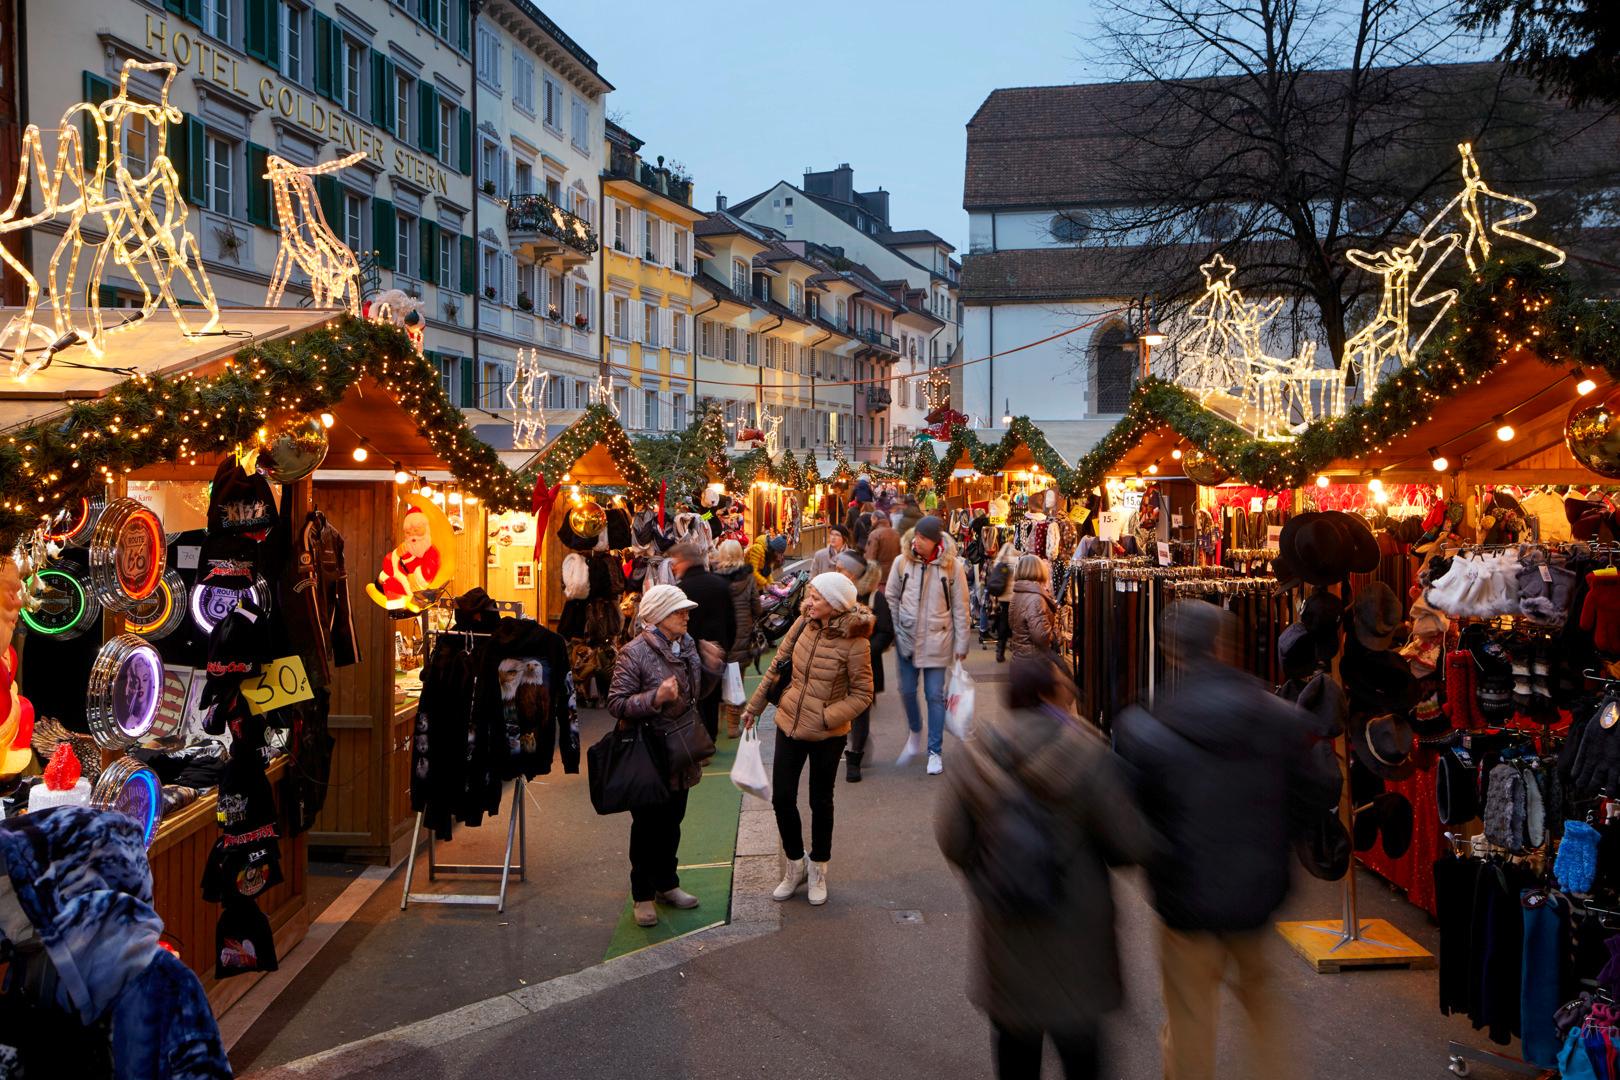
(749,94)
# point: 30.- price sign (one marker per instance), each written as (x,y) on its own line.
(282,682)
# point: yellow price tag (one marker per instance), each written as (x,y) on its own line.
(282,682)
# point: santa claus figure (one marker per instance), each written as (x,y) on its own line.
(412,566)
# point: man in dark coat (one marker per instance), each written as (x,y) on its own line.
(714,619)
(1213,765)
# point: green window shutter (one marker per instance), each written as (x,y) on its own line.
(469,382)
(429,263)
(330,195)
(461,28)
(326,58)
(469,267)
(466,142)
(190,10)
(380,91)
(428,113)
(384,232)
(187,155)
(258,188)
(260,30)
(107,296)
(96,90)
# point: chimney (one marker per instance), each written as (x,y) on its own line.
(719,201)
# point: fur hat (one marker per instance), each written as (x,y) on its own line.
(576,575)
(836,589)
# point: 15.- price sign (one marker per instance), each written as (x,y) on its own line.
(282,682)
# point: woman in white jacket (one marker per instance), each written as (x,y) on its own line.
(928,600)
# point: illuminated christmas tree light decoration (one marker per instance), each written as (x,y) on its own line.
(1214,356)
(602,394)
(307,241)
(1477,243)
(144,218)
(526,397)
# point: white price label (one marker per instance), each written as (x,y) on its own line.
(186,556)
(1164,553)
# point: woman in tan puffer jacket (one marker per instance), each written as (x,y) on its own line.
(1033,613)
(831,684)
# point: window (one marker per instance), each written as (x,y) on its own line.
(404,98)
(553,103)
(492,387)
(523,83)
(582,304)
(433,14)
(292,43)
(812,306)
(683,245)
(216,18)
(554,190)
(796,297)
(677,337)
(1113,369)
(489,272)
(649,324)
(449,369)
(652,231)
(136,144)
(677,409)
(353,56)
(650,407)
(405,254)
(582,393)
(621,318)
(218,167)
(739,277)
(730,344)
(557,394)
(523,182)
(581,128)
(449,133)
(753,349)
(447,260)
(489,57)
(353,215)
(1070,226)
(843,313)
(490,173)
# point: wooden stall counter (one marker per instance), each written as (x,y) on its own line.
(179,855)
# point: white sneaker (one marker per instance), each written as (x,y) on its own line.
(914,746)
(798,870)
(818,884)
(936,765)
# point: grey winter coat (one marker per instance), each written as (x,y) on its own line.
(648,660)
(825,561)
(929,605)
(1061,973)
(745,601)
(1030,619)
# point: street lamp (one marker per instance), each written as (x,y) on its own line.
(1006,412)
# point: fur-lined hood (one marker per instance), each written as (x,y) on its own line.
(857,622)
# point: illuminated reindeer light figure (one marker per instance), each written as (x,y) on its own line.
(307,241)
(144,218)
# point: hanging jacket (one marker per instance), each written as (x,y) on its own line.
(929,603)
(831,680)
(525,697)
(745,602)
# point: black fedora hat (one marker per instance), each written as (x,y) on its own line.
(1324,698)
(1365,785)
(1362,556)
(1394,812)
(1322,614)
(1375,615)
(1383,743)
(1323,847)
(1310,548)
(1378,682)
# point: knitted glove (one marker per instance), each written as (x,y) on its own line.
(1597,763)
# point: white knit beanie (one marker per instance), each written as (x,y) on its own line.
(662,601)
(836,589)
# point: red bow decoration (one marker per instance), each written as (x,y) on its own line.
(540,506)
(750,435)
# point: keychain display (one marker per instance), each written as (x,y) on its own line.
(64,606)
(160,614)
(132,789)
(126,685)
(128,554)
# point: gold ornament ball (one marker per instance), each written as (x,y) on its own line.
(292,447)
(1592,433)
(587,519)
(1202,469)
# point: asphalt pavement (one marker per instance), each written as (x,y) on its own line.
(871,985)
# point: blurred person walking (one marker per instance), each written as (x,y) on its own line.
(882,546)
(928,597)
(908,515)
(657,681)
(999,580)
(825,560)
(1031,613)
(1213,764)
(728,562)
(867,579)
(830,683)
(1034,820)
(714,619)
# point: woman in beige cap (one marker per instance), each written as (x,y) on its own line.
(657,681)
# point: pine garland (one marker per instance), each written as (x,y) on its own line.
(597,424)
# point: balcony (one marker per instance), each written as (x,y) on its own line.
(665,181)
(879,338)
(878,398)
(541,230)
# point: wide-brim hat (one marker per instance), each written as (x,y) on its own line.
(476,612)
(1375,615)
(1323,847)
(1322,547)
(1378,682)
(1363,554)
(1588,517)
(1322,614)
(1324,698)
(1383,743)
(1297,651)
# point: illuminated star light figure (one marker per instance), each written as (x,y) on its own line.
(143,218)
(1477,243)
(526,397)
(307,240)
(1217,361)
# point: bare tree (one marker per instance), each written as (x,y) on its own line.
(1284,133)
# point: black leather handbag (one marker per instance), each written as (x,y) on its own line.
(627,771)
(687,745)
(781,679)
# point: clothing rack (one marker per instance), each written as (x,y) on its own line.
(516,829)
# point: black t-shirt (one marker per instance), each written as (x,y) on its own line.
(242,941)
(240,871)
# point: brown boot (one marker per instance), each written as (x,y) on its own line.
(733,714)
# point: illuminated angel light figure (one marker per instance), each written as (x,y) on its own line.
(307,240)
(602,394)
(144,218)
(526,397)
(1387,342)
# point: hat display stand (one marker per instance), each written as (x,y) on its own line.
(516,825)
(1353,942)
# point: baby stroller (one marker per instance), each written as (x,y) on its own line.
(779,606)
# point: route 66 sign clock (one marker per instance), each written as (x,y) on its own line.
(128,554)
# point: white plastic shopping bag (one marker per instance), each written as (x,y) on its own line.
(748,771)
(731,687)
(959,695)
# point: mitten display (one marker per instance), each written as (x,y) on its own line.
(1600,614)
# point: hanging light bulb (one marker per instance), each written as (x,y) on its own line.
(1440,463)
(327,420)
(1153,469)
(1504,430)
(401,476)
(1380,497)
(361,453)
(1375,485)
(1176,454)
(425,491)
(1322,481)
(1584,383)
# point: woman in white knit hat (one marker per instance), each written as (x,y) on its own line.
(657,681)
(830,684)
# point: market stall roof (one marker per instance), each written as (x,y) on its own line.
(153,346)
(595,451)
(1155,447)
(1534,399)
